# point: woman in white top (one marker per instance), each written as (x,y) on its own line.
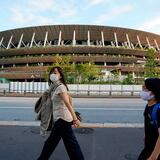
(64,117)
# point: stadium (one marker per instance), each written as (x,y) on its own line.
(26,53)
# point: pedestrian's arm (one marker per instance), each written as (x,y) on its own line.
(65,97)
(156,151)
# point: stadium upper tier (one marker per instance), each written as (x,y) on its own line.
(26,51)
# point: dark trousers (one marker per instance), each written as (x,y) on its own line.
(145,154)
(62,129)
(147,151)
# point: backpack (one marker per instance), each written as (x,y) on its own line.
(154,115)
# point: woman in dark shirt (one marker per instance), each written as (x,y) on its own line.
(151,93)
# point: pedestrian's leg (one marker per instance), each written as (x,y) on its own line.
(146,152)
(51,142)
(71,143)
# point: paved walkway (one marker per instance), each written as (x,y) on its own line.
(105,143)
(13,94)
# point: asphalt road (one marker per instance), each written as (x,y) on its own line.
(93,110)
(25,143)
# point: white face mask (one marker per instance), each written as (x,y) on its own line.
(146,95)
(53,77)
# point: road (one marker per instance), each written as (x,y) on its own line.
(96,143)
(93,110)
(25,143)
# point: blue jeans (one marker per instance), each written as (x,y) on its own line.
(62,129)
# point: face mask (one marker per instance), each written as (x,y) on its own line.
(146,95)
(53,77)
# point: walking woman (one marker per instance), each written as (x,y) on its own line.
(151,93)
(64,117)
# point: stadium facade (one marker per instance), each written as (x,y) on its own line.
(26,53)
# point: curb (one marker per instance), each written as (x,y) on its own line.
(74,96)
(83,125)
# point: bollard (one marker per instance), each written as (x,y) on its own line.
(4,92)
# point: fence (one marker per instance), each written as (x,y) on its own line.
(76,89)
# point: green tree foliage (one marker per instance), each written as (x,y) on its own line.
(76,73)
(128,79)
(86,73)
(151,64)
(65,63)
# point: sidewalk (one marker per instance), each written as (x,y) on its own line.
(105,143)
(74,95)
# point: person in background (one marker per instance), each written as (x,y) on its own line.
(151,93)
(64,117)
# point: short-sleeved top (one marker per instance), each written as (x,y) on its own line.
(60,110)
(151,132)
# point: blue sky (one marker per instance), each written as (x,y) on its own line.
(136,14)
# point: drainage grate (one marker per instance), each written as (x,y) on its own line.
(84,130)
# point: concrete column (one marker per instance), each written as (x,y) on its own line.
(20,41)
(74,38)
(129,44)
(115,37)
(32,40)
(10,40)
(139,42)
(1,41)
(59,39)
(102,38)
(148,42)
(45,40)
(133,74)
(156,45)
(88,41)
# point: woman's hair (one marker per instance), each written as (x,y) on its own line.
(62,79)
(153,84)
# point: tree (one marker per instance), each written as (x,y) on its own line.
(65,63)
(76,73)
(86,72)
(151,64)
(128,79)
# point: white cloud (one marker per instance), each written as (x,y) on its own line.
(92,3)
(95,2)
(42,5)
(18,16)
(66,9)
(117,11)
(68,13)
(152,25)
(43,12)
(21,17)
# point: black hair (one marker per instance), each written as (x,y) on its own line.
(153,84)
(62,79)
